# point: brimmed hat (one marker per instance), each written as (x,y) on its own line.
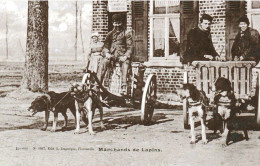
(117,18)
(243,19)
(94,34)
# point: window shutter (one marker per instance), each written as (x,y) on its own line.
(139,7)
(189,19)
(140,30)
(234,10)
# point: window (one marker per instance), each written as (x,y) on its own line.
(166,6)
(164,29)
(254,14)
(255,4)
(255,18)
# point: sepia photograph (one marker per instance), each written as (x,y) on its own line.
(129,82)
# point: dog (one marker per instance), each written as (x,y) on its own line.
(56,103)
(198,103)
(86,100)
(249,105)
(227,106)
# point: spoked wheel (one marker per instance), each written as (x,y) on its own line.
(257,109)
(148,99)
(257,115)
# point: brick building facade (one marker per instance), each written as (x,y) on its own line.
(167,67)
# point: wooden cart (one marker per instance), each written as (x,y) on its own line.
(239,74)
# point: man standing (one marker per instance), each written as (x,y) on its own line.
(246,45)
(118,47)
(199,43)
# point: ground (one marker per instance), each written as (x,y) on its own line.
(124,141)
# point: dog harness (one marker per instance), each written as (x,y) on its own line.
(85,95)
(193,103)
(202,101)
(224,101)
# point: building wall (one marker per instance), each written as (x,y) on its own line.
(129,16)
(170,80)
(215,8)
(100,18)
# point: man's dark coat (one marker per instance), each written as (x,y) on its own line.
(246,44)
(199,43)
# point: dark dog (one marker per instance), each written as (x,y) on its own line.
(249,105)
(198,102)
(226,109)
(87,100)
(56,102)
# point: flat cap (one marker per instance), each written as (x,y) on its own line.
(206,17)
(117,18)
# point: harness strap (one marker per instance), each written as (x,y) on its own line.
(91,94)
(194,103)
(224,104)
(60,100)
(83,99)
(201,101)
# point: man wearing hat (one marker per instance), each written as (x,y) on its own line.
(118,47)
(246,44)
(199,43)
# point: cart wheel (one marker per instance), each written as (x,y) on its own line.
(185,114)
(148,99)
(257,109)
(257,115)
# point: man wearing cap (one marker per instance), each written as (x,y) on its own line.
(199,43)
(246,44)
(118,47)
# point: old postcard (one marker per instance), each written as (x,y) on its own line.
(129,82)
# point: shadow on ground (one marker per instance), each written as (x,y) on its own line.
(126,121)
(121,119)
(239,123)
(38,124)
